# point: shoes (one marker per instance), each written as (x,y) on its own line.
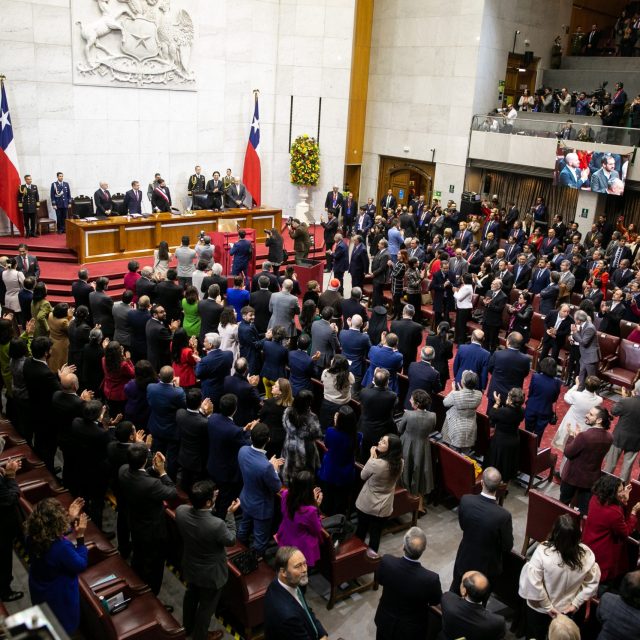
(215,635)
(11,596)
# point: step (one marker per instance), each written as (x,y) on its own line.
(600,63)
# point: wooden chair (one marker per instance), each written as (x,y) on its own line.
(533,460)
(624,369)
(457,473)
(626,328)
(483,435)
(608,346)
(542,512)
(346,563)
(403,503)
(535,341)
(505,587)
(43,221)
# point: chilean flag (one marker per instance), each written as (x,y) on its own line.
(251,171)
(9,173)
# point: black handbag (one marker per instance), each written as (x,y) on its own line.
(338,527)
(245,562)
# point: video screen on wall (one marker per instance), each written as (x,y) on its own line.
(588,170)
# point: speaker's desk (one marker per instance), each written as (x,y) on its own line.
(119,237)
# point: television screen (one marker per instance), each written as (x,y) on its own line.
(588,170)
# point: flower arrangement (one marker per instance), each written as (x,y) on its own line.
(305,161)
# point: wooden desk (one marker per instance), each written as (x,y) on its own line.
(118,238)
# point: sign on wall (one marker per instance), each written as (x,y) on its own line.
(127,43)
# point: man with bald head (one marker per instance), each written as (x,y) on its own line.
(355,344)
(472,357)
(571,175)
(487,532)
(465,616)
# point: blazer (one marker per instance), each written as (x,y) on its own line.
(241,252)
(341,258)
(362,223)
(379,267)
(31,268)
(325,340)
(464,619)
(284,307)
(619,620)
(540,278)
(235,195)
(194,440)
(301,370)
(493,311)
(41,384)
(472,357)
(610,322)
(144,497)
(600,182)
(387,358)
(522,275)
(359,262)
(377,493)
(250,346)
(487,534)
(158,201)
(103,202)
(350,308)
(137,320)
(285,618)
(408,590)
(101,306)
(169,294)
(548,298)
(158,343)
(225,440)
(80,291)
(209,312)
(587,339)
(122,331)
(133,201)
(212,370)
(355,348)
(543,393)
(328,201)
(376,417)
(508,369)
(204,538)
(164,400)
(248,398)
(511,252)
(422,375)
(564,329)
(409,339)
(584,454)
(274,285)
(146,287)
(627,435)
(260,301)
(260,483)
(388,202)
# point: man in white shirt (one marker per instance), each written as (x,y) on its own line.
(511,116)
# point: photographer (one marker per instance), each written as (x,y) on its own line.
(564,101)
(547,100)
(275,244)
(299,232)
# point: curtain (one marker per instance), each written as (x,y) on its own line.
(627,205)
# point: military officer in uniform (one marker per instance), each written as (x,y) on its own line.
(196,182)
(60,199)
(28,201)
(227,180)
(215,189)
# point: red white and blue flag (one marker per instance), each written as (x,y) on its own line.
(9,173)
(251,175)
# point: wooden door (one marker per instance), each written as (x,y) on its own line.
(400,185)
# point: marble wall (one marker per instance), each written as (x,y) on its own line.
(282,47)
(435,64)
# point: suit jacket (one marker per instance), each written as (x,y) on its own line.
(408,590)
(212,370)
(511,252)
(204,537)
(539,280)
(80,291)
(284,307)
(379,267)
(610,322)
(423,376)
(359,263)
(236,195)
(569,178)
(301,370)
(355,348)
(209,312)
(493,311)
(600,182)
(548,298)
(133,201)
(225,440)
(622,277)
(487,534)
(464,619)
(274,285)
(350,308)
(472,357)
(596,296)
(60,201)
(489,247)
(158,343)
(145,496)
(341,258)
(627,435)
(619,620)
(543,393)
(376,418)
(169,294)
(32,268)
(584,455)
(349,210)
(324,340)
(194,440)
(41,384)
(363,223)
(259,300)
(409,339)
(164,401)
(388,202)
(546,248)
(285,618)
(101,306)
(146,287)
(387,358)
(248,398)
(216,193)
(328,202)
(508,369)
(260,483)
(137,319)
(103,202)
(625,254)
(241,252)
(159,201)
(507,281)
(587,340)
(122,333)
(564,329)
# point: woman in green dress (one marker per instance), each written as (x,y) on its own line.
(40,310)
(191,321)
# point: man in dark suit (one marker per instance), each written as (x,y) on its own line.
(620,253)
(505,276)
(210,311)
(475,257)
(145,286)
(169,294)
(513,213)
(133,198)
(423,375)
(378,403)
(626,437)
(472,357)
(380,265)
(408,224)
(611,313)
(557,326)
(214,368)
(540,278)
(572,175)
(603,177)
(302,366)
(101,305)
(353,305)
(273,286)
(165,397)
(243,387)
(28,201)
(494,303)
(324,338)
(623,275)
(333,201)
(137,319)
(250,340)
(511,250)
(340,259)
(620,614)
(489,246)
(241,251)
(359,262)
(363,222)
(409,335)
(259,301)
(80,289)
(235,194)
(194,438)
(508,368)
(145,495)
(330,229)
(408,590)
(286,612)
(26,263)
(487,531)
(159,337)
(388,203)
(60,200)
(161,197)
(225,440)
(594,293)
(385,355)
(215,189)
(204,561)
(591,41)
(102,200)
(349,214)
(260,486)
(355,348)
(466,616)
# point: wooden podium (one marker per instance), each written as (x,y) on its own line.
(119,237)
(222,241)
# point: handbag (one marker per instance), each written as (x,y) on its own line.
(338,527)
(245,562)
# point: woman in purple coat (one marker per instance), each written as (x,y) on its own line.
(301,525)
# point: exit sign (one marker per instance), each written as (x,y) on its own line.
(437,194)
(452,188)
(585,213)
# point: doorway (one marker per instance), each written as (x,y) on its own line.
(407,179)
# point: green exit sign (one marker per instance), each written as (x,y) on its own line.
(437,194)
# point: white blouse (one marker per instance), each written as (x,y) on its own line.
(464,297)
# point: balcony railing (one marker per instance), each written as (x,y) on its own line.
(538,128)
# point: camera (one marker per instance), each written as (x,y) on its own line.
(202,235)
(289,221)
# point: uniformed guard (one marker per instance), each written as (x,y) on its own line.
(60,199)
(29,201)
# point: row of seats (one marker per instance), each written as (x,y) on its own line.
(145,618)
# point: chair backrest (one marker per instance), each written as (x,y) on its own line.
(483,434)
(531,459)
(576,299)
(629,355)
(458,474)
(513,296)
(542,512)
(535,303)
(537,326)
(608,344)
(626,328)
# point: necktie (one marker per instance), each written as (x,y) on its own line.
(617,258)
(306,609)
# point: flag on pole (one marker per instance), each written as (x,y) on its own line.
(251,176)
(9,173)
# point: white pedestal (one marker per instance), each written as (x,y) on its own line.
(302,207)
